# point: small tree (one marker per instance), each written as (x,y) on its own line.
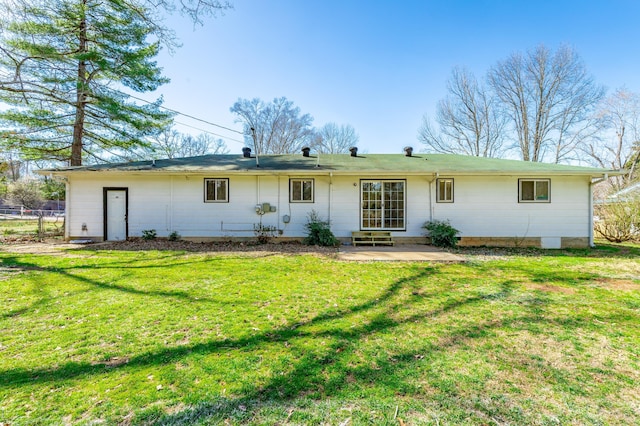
(26,193)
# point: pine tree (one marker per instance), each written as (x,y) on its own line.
(65,69)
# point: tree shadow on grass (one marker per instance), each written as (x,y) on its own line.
(323,372)
(73,369)
(319,372)
(16,264)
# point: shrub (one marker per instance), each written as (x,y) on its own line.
(174,236)
(619,221)
(149,234)
(264,233)
(441,233)
(319,232)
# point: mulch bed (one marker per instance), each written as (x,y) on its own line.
(33,244)
(135,244)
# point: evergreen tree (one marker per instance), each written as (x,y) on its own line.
(65,66)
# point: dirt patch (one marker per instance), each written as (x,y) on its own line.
(618,284)
(550,288)
(30,246)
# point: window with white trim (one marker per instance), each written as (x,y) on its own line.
(216,190)
(534,190)
(301,190)
(444,190)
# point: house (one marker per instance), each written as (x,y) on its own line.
(221,197)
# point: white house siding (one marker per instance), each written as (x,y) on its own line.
(484,206)
(488,207)
(84,206)
(192,217)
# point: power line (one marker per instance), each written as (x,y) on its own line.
(186,115)
(209,132)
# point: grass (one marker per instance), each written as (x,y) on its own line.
(529,337)
(11,227)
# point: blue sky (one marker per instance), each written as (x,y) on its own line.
(379,65)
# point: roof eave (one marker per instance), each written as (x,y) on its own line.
(324,171)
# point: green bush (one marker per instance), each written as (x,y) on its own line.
(149,234)
(441,233)
(174,236)
(318,232)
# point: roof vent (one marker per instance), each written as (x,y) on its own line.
(305,151)
(246,152)
(408,151)
(354,151)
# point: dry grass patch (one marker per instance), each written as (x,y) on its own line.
(549,288)
(619,284)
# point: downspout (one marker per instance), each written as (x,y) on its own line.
(330,196)
(431,203)
(171,205)
(278,211)
(257,189)
(591,184)
(67,205)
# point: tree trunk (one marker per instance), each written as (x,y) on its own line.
(81,97)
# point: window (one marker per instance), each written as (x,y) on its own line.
(301,190)
(534,190)
(216,190)
(382,204)
(444,190)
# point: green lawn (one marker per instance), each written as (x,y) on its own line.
(11,227)
(125,337)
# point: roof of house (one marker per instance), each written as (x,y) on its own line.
(626,194)
(443,164)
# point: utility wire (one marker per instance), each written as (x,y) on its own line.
(209,132)
(186,115)
(182,114)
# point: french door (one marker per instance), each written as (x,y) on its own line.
(382,204)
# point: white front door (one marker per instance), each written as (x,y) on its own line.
(116,214)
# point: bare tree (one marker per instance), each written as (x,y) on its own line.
(469,120)
(618,144)
(549,98)
(203,144)
(335,139)
(172,144)
(273,128)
